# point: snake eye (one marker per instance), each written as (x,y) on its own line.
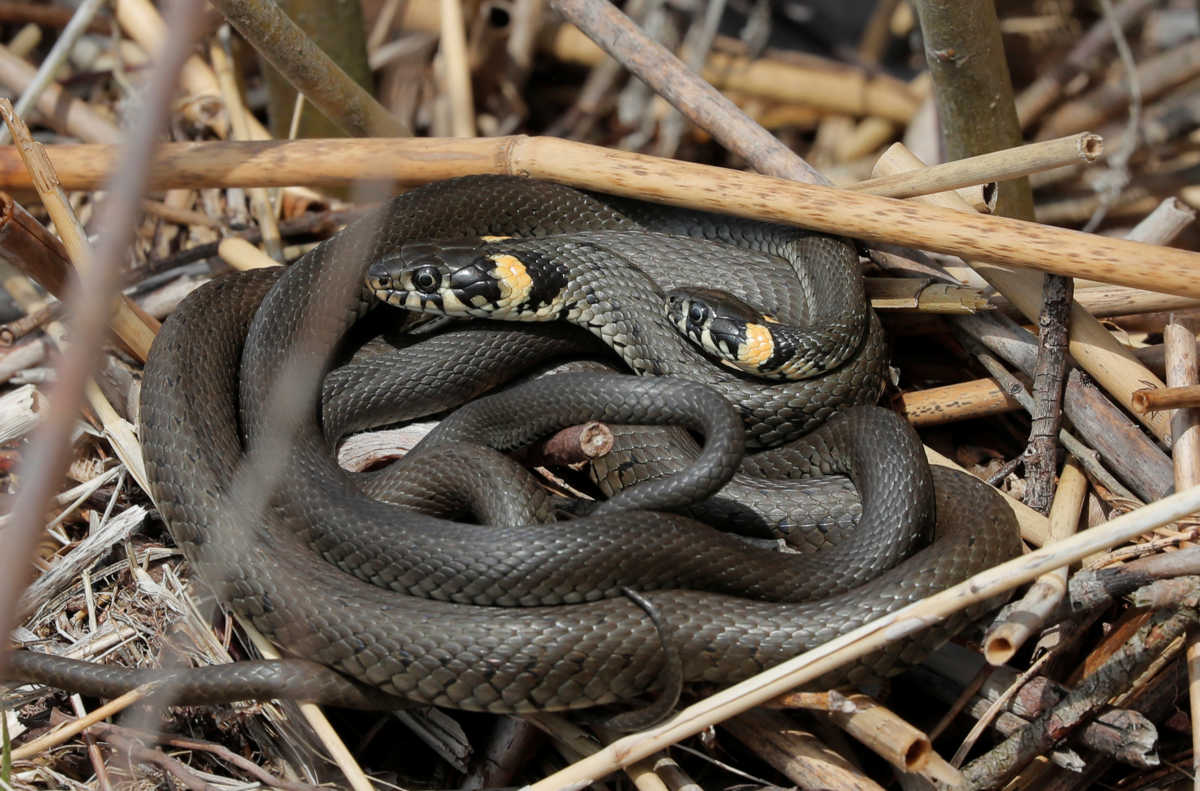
(427,279)
(697,313)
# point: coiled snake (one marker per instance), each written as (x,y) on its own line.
(321,569)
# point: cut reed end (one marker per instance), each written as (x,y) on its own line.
(998,649)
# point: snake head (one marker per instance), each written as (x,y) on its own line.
(448,278)
(489,278)
(737,334)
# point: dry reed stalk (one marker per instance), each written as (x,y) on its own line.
(54,60)
(1104,300)
(260,202)
(76,726)
(310,71)
(1010,163)
(888,735)
(133,326)
(1193,675)
(1027,616)
(923,295)
(816,82)
(871,218)
(316,719)
(664,73)
(63,112)
(810,665)
(178,216)
(1179,344)
(456,70)
(25,41)
(1037,97)
(140,20)
(19,411)
(797,753)
(574,743)
(243,256)
(1155,76)
(1163,398)
(962,401)
(1112,365)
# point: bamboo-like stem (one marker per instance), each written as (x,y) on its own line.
(811,664)
(62,111)
(281,42)
(1193,673)
(133,326)
(54,60)
(887,734)
(1036,98)
(949,403)
(260,202)
(796,753)
(1009,163)
(1027,616)
(868,217)
(456,70)
(243,256)
(1107,300)
(811,81)
(1179,342)
(926,296)
(1163,398)
(1095,349)
(1155,76)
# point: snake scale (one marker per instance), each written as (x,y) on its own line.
(217,436)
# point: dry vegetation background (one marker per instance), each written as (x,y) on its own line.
(1091,683)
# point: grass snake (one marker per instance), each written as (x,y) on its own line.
(355,597)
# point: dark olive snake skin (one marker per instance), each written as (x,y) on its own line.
(424,625)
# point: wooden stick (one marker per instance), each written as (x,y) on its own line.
(1027,616)
(871,218)
(812,664)
(963,401)
(1162,398)
(1110,363)
(1011,163)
